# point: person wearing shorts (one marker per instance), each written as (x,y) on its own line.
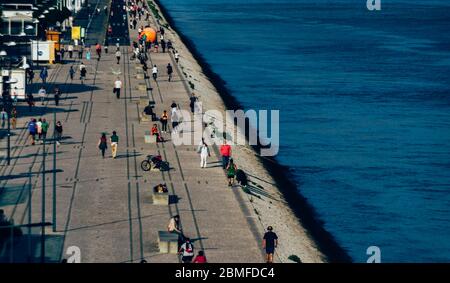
(270,242)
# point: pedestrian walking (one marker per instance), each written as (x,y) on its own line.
(174,116)
(203,149)
(163,45)
(70,49)
(187,251)
(57,95)
(4,116)
(30,75)
(32,129)
(42,93)
(63,51)
(169,45)
(15,95)
(80,52)
(270,243)
(118,54)
(117,87)
(231,172)
(225,151)
(39,128)
(98,49)
(83,72)
(58,132)
(43,75)
(192,101)
(114,139)
(164,119)
(177,56)
(200,258)
(14,118)
(88,54)
(169,71)
(44,129)
(30,100)
(155,72)
(105,46)
(71,72)
(102,144)
(134,23)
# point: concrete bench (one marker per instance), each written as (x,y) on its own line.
(143,117)
(160,198)
(141,86)
(144,101)
(168,242)
(139,74)
(149,138)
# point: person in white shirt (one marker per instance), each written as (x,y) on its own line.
(70,49)
(39,128)
(177,56)
(117,87)
(42,93)
(174,116)
(187,251)
(203,149)
(155,72)
(118,54)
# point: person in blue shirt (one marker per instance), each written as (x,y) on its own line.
(32,129)
(44,75)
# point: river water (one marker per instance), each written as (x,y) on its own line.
(364,100)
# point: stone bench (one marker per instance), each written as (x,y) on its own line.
(149,138)
(140,74)
(141,86)
(143,102)
(160,198)
(168,242)
(142,116)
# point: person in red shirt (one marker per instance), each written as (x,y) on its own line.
(98,48)
(155,132)
(225,151)
(200,258)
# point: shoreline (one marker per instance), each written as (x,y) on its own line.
(328,250)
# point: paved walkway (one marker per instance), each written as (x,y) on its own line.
(104,205)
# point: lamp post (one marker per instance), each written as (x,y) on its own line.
(8,106)
(43,204)
(54,171)
(6,96)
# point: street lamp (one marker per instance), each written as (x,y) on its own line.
(7,101)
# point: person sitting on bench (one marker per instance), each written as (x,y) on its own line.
(148,110)
(155,132)
(161,188)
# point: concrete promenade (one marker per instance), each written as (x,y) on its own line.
(104,206)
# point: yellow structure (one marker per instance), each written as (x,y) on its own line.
(76,32)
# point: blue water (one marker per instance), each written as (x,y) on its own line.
(365,108)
